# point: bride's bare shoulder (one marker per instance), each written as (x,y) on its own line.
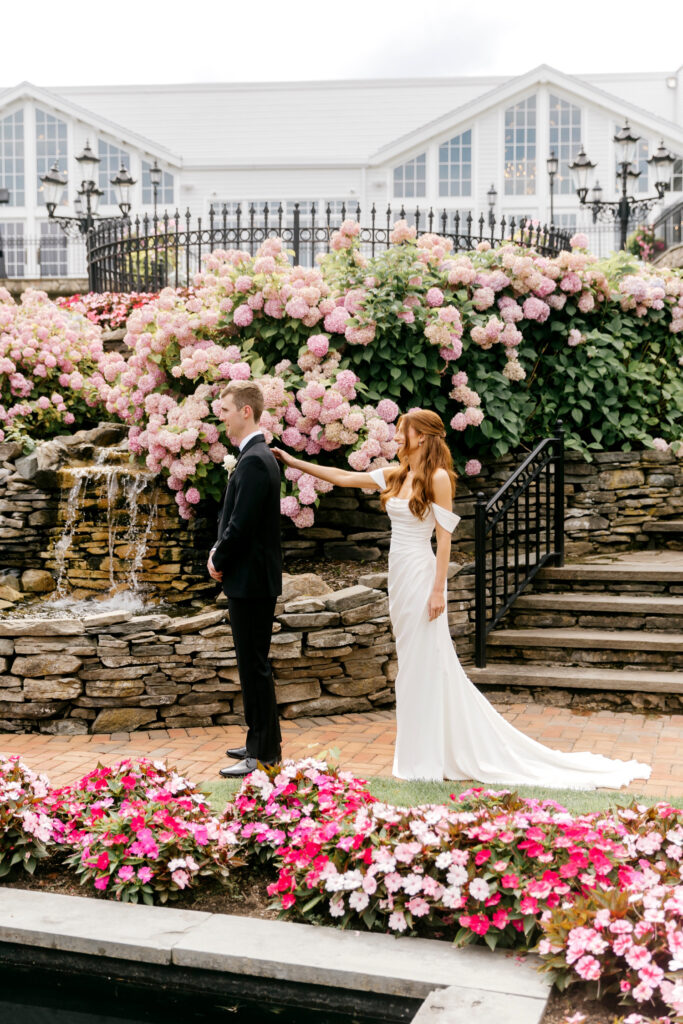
(390,472)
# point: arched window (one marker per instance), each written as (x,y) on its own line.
(12,157)
(51,146)
(111,159)
(455,165)
(520,148)
(564,126)
(410,179)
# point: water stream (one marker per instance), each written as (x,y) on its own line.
(128,529)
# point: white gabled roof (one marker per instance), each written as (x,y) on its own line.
(284,123)
(541,75)
(55,101)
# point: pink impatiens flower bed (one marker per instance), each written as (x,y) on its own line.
(598,895)
(109,310)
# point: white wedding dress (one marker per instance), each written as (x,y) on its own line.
(445,728)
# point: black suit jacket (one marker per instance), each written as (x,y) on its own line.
(247,550)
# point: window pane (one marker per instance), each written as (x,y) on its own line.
(410,178)
(520,148)
(13,246)
(165,191)
(564,140)
(50,148)
(112,158)
(455,165)
(12,164)
(53,250)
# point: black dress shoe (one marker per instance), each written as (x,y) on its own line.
(238,753)
(237,771)
(244,767)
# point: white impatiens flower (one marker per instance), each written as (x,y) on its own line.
(479,889)
(229,463)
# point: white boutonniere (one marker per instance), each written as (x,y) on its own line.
(229,463)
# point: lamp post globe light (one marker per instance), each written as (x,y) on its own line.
(155,174)
(88,196)
(491,197)
(552,164)
(626,206)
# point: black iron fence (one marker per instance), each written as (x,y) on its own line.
(151,252)
(517,531)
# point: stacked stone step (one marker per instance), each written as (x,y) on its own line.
(594,635)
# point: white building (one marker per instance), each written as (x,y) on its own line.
(438,143)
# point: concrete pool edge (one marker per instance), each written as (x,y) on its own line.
(370,965)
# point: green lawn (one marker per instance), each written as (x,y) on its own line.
(410,794)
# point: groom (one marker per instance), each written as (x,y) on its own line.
(246,559)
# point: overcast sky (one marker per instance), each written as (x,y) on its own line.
(62,42)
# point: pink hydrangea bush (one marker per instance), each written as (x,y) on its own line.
(501,342)
(48,356)
(26,825)
(504,311)
(183,351)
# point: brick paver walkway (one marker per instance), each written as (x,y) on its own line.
(365,743)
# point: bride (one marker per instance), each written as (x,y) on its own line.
(445,728)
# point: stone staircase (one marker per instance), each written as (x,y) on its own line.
(600,633)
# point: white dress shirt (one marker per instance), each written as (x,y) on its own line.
(247,439)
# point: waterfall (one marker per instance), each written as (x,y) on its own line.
(64,542)
(122,489)
(133,537)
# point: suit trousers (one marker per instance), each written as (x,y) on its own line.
(251,619)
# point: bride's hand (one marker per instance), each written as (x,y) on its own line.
(437,604)
(284,457)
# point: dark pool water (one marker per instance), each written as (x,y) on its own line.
(46,1008)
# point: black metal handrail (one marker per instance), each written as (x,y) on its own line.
(149,253)
(524,545)
(668,227)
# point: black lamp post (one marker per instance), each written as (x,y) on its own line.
(88,196)
(491,197)
(155,174)
(552,164)
(4,198)
(623,208)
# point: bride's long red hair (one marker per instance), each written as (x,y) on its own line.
(435,455)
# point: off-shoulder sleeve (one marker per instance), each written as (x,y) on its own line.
(444,518)
(378,476)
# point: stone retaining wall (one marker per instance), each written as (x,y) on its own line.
(114,672)
(613,503)
(33,519)
(610,504)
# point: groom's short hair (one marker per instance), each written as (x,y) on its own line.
(246,392)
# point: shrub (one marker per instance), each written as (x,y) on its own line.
(109,310)
(141,831)
(47,358)
(26,825)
